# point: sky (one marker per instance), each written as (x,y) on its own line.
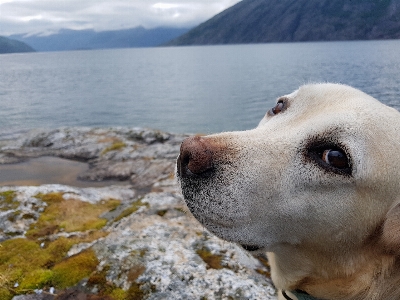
(48,16)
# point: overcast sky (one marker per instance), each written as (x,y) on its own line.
(47,16)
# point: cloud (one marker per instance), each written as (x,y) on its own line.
(48,16)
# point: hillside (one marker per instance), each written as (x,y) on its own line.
(263,21)
(13,46)
(67,39)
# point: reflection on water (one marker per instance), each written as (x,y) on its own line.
(184,89)
(47,170)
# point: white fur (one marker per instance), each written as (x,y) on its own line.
(321,229)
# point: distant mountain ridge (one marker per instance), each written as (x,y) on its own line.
(12,46)
(263,21)
(67,39)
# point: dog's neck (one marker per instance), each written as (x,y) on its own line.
(364,275)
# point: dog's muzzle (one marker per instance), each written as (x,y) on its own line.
(195,158)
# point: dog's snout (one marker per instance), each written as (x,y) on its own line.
(195,158)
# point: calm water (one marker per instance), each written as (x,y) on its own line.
(188,89)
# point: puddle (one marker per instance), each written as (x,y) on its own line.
(49,170)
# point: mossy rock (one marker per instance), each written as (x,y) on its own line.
(7,201)
(69,215)
(25,262)
(212,260)
(75,268)
(116,146)
(131,209)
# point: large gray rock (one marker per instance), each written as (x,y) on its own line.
(143,156)
(148,246)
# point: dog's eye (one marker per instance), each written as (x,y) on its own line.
(330,157)
(335,158)
(279,107)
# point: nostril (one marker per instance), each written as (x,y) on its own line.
(196,157)
(183,164)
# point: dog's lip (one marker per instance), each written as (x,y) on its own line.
(250,247)
(218,223)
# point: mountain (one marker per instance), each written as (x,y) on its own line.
(12,46)
(67,39)
(263,21)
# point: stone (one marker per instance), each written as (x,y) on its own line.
(147,244)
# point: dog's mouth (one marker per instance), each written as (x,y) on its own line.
(250,247)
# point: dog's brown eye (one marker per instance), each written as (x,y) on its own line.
(277,108)
(335,158)
(329,156)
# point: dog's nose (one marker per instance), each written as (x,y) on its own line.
(195,158)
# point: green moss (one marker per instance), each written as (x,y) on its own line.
(36,279)
(98,280)
(131,209)
(13,216)
(69,215)
(24,262)
(105,288)
(111,204)
(212,260)
(7,201)
(117,145)
(5,293)
(162,212)
(18,259)
(135,293)
(135,272)
(75,268)
(118,294)
(139,253)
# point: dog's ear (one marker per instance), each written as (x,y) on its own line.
(391,230)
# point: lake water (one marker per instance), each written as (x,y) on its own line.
(183,89)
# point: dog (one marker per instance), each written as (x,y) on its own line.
(316,186)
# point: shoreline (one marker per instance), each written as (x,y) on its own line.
(49,170)
(135,155)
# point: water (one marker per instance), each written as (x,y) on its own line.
(49,170)
(183,89)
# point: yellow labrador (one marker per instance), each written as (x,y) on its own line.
(316,185)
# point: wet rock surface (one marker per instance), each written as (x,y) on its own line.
(133,241)
(142,156)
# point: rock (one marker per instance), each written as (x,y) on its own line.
(112,154)
(20,207)
(34,297)
(136,241)
(158,251)
(163,251)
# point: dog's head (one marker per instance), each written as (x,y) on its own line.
(322,168)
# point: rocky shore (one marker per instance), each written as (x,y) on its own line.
(130,241)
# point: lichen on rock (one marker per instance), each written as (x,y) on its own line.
(135,241)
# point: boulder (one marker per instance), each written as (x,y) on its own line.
(133,241)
